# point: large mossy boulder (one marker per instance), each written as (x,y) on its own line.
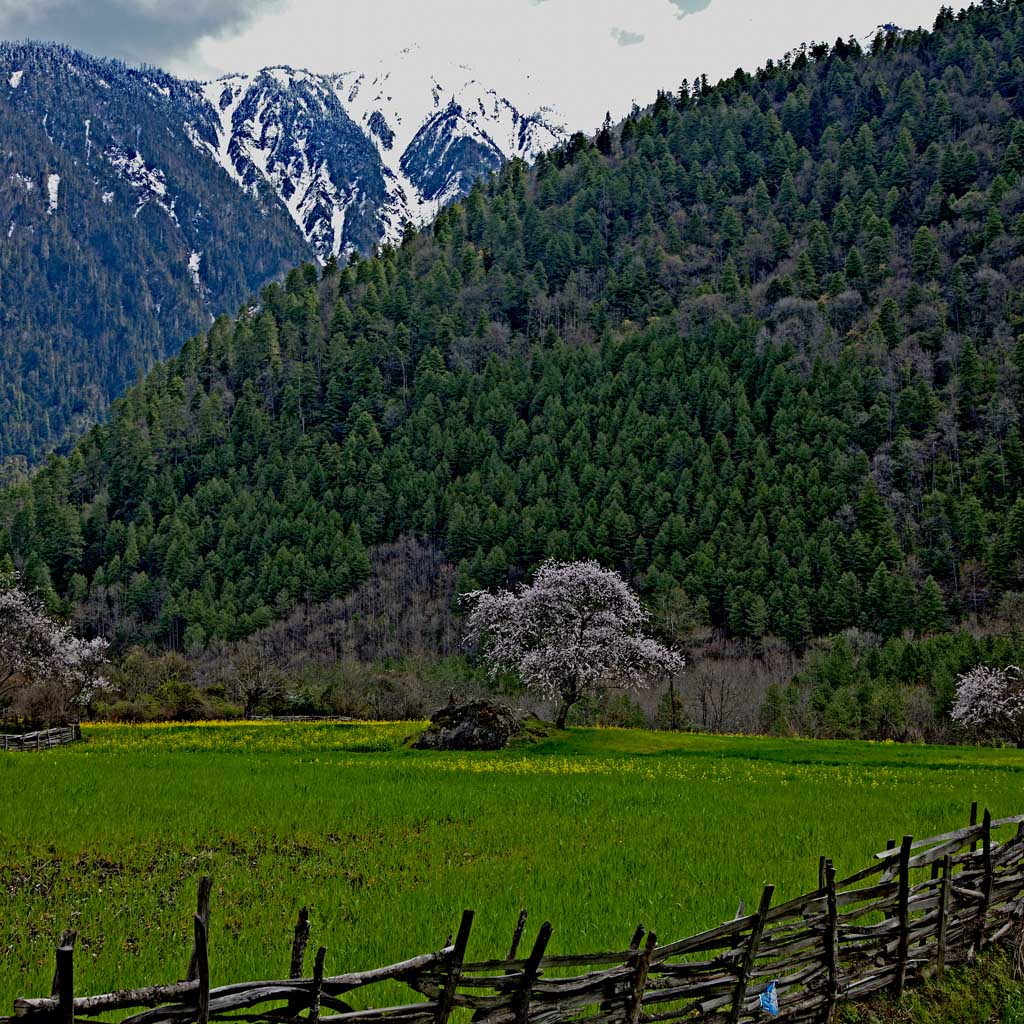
(476,725)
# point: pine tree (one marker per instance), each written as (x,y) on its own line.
(930,611)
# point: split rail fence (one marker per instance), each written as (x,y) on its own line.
(922,905)
(43,739)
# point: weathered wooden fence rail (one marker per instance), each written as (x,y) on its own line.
(43,739)
(922,905)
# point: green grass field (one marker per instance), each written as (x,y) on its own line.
(595,830)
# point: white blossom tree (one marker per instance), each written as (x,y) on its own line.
(990,701)
(576,629)
(45,670)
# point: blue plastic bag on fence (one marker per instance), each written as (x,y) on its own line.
(770,1000)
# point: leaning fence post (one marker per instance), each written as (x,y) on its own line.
(202,911)
(740,992)
(945,886)
(903,912)
(298,955)
(66,983)
(831,942)
(318,985)
(530,972)
(517,934)
(202,972)
(986,879)
(974,821)
(446,1000)
(643,964)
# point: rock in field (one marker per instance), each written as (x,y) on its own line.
(478,725)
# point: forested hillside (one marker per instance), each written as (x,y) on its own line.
(759,347)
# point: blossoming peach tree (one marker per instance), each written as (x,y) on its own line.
(576,629)
(46,671)
(990,702)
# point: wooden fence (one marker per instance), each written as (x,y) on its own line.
(44,739)
(921,906)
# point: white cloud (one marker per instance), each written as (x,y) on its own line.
(576,55)
(559,52)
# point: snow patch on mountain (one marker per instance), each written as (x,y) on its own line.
(195,261)
(225,95)
(149,183)
(15,80)
(53,192)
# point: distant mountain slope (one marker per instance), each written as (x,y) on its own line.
(134,206)
(116,244)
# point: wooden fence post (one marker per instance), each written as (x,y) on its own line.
(66,983)
(986,880)
(299,941)
(202,971)
(903,913)
(446,1000)
(974,821)
(67,938)
(318,985)
(299,944)
(643,965)
(740,991)
(831,943)
(946,885)
(521,1005)
(203,912)
(517,934)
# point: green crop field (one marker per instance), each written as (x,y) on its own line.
(596,830)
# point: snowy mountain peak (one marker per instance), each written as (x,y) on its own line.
(350,158)
(354,156)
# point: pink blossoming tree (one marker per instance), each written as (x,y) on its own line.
(45,670)
(990,702)
(576,629)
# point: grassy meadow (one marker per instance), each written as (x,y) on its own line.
(595,830)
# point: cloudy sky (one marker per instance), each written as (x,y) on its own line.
(581,56)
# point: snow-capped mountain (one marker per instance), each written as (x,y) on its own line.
(356,155)
(134,205)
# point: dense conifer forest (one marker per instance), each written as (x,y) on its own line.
(760,347)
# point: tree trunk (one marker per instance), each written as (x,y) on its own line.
(570,695)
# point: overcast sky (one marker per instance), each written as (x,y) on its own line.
(581,56)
